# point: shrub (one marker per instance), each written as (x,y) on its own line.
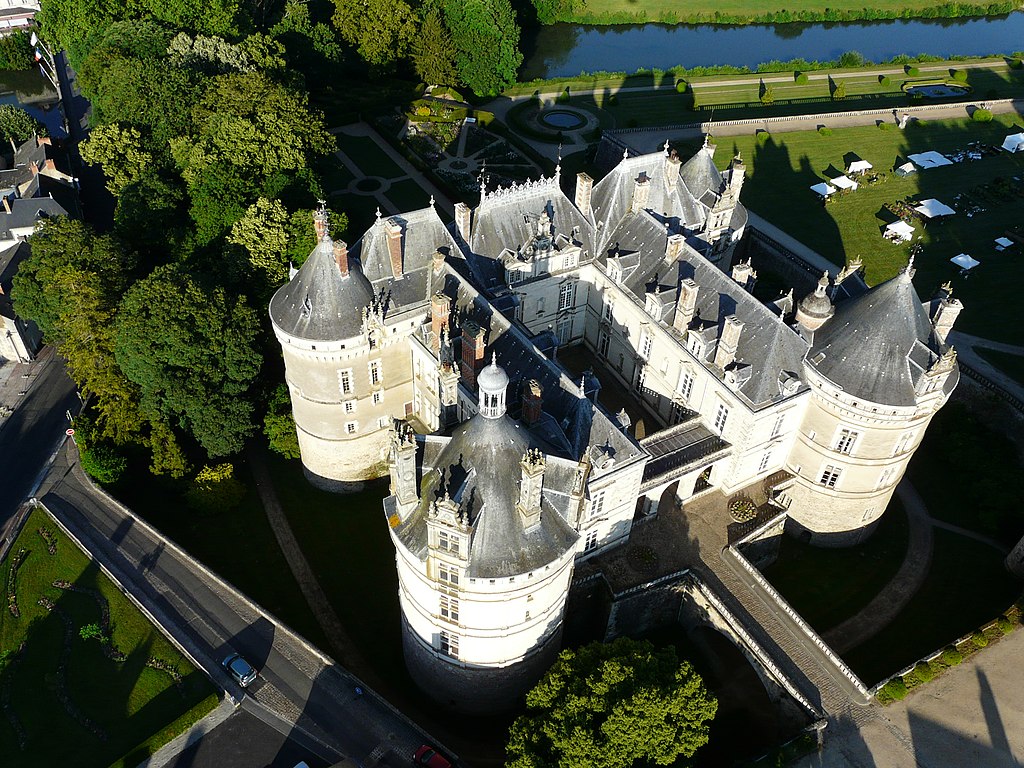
(800,77)
(762,138)
(951,657)
(681,86)
(215,489)
(925,672)
(884,126)
(102,463)
(960,75)
(884,80)
(982,116)
(613,100)
(563,97)
(839,92)
(894,690)
(824,130)
(911,679)
(1005,625)
(979,640)
(91,632)
(913,71)
(767,95)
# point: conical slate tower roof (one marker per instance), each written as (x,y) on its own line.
(877,344)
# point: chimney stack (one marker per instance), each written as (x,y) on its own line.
(674,247)
(641,193)
(584,188)
(438,262)
(462,220)
(531,486)
(320,223)
(686,305)
(394,235)
(440,312)
(532,401)
(725,354)
(672,166)
(341,257)
(744,275)
(403,469)
(945,316)
(473,348)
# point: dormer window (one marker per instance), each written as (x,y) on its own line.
(653,306)
(696,345)
(615,270)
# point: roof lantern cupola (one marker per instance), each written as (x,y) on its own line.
(816,308)
(492,383)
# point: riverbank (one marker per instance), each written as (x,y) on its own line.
(739,12)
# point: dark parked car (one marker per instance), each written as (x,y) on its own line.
(239,669)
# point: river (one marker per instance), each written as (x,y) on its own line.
(566,50)
(33,93)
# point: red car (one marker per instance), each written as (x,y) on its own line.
(429,757)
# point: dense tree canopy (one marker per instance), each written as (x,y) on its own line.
(613,706)
(433,51)
(381,31)
(17,124)
(119,150)
(192,351)
(486,38)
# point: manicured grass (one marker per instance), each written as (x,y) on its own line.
(780,172)
(361,211)
(407,195)
(209,537)
(828,586)
(138,708)
(967,586)
(1011,365)
(334,174)
(368,156)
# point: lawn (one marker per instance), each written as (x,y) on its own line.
(368,156)
(334,174)
(780,172)
(828,586)
(407,195)
(1011,365)
(121,709)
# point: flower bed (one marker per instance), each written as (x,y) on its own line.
(12,582)
(50,538)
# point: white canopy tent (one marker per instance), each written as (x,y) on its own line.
(965,262)
(1002,243)
(844,182)
(823,189)
(899,232)
(929,160)
(859,166)
(1014,142)
(932,209)
(906,169)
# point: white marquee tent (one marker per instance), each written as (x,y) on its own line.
(899,232)
(859,166)
(906,169)
(965,262)
(844,182)
(1014,143)
(932,209)
(929,160)
(1002,243)
(823,189)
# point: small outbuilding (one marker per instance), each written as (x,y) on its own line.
(1014,143)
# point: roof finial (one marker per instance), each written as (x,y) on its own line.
(707,140)
(494,358)
(378,213)
(431,201)
(666,146)
(625,153)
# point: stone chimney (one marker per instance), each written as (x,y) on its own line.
(533,400)
(584,187)
(728,341)
(736,173)
(686,305)
(394,234)
(672,166)
(463,217)
(7,204)
(674,247)
(473,348)
(531,486)
(440,312)
(320,222)
(641,193)
(341,257)
(945,316)
(744,275)
(437,262)
(402,468)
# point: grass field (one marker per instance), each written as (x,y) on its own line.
(136,708)
(407,195)
(371,159)
(780,172)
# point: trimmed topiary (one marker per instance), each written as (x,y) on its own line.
(681,86)
(982,116)
(950,657)
(979,640)
(960,75)
(885,126)
(762,138)
(884,80)
(894,690)
(925,672)
(824,130)
(1005,625)
(801,78)
(913,71)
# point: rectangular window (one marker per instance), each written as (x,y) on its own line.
(563,329)
(646,342)
(886,477)
(448,542)
(375,373)
(777,427)
(602,344)
(721,416)
(591,542)
(608,311)
(901,446)
(351,427)
(846,440)
(540,306)
(450,608)
(377,397)
(350,406)
(596,506)
(677,412)
(685,385)
(446,574)
(345,381)
(450,644)
(830,476)
(764,461)
(696,346)
(570,261)
(566,293)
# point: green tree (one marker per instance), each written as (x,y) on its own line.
(432,51)
(152,204)
(279,424)
(380,30)
(215,489)
(118,150)
(552,11)
(16,51)
(103,463)
(192,352)
(167,456)
(613,706)
(767,95)
(839,92)
(17,124)
(263,233)
(302,236)
(486,37)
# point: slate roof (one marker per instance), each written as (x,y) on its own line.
(26,212)
(478,466)
(766,343)
(878,344)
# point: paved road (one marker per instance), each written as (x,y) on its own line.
(307,695)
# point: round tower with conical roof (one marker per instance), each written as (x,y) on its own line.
(878,373)
(484,556)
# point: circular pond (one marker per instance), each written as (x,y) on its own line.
(937,90)
(562,119)
(369,184)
